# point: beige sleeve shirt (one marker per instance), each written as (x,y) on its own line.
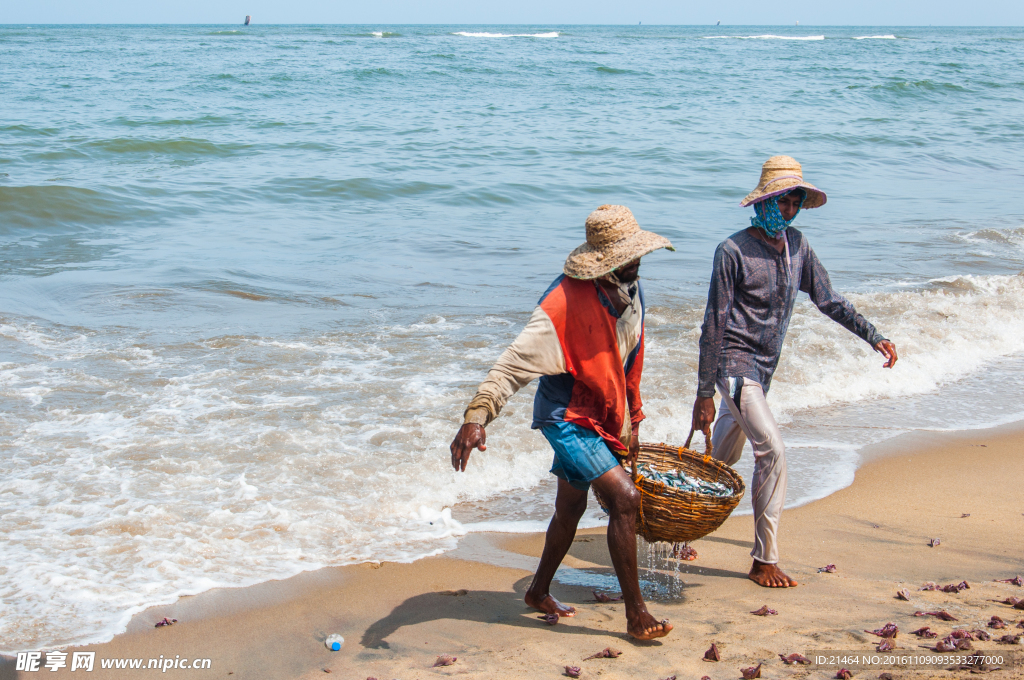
(536,352)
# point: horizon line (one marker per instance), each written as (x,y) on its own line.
(29,24)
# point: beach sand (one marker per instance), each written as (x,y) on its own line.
(397,618)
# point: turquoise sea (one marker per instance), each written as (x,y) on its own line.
(250,276)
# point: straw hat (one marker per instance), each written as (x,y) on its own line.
(613,239)
(779,174)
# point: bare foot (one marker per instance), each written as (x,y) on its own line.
(549,605)
(769,576)
(646,627)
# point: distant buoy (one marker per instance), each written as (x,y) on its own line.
(248,18)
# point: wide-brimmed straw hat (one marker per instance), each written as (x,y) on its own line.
(613,239)
(779,174)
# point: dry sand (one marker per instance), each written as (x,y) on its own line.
(397,618)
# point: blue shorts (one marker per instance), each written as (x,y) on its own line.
(581,455)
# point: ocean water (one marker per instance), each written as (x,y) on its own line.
(251,276)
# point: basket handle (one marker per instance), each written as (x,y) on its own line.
(708,448)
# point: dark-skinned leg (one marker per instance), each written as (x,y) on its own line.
(622,496)
(570,504)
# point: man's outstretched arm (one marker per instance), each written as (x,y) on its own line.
(534,353)
(816,283)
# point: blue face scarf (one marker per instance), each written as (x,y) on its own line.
(769,217)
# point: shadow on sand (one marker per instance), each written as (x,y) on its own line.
(488,607)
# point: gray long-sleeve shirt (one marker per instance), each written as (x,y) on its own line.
(751,298)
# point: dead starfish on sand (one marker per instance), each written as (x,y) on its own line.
(573,671)
(944,615)
(965,515)
(445,660)
(606,653)
(1016,580)
(996,622)
(1020,624)
(764,611)
(935,542)
(550,619)
(929,586)
(165,622)
(794,658)
(981,635)
(889,630)
(885,645)
(961,634)
(1012,601)
(712,654)
(828,568)
(1010,639)
(601,597)
(751,673)
(903,595)
(844,674)
(963,585)
(925,633)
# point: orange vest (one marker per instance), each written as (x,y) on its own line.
(602,390)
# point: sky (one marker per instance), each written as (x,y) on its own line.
(537,12)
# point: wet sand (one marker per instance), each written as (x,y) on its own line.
(397,618)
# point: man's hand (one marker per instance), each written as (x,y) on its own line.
(471,436)
(703,414)
(888,350)
(634,446)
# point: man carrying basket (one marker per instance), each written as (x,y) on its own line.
(585,341)
(756,277)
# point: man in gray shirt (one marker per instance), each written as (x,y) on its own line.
(756,277)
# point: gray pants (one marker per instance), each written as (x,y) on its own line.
(743,415)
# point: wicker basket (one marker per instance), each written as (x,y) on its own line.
(677,516)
